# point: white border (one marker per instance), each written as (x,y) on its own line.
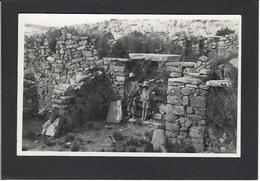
(25,18)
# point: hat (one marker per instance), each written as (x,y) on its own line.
(131,74)
(145,84)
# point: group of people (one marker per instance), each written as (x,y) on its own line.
(132,91)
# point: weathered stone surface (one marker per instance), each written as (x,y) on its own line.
(175,74)
(196,132)
(198,101)
(178,110)
(185,100)
(174,91)
(187,91)
(171,134)
(195,117)
(174,100)
(203,58)
(185,122)
(174,69)
(182,64)
(120,79)
(189,110)
(154,57)
(200,111)
(187,80)
(218,83)
(117,68)
(174,127)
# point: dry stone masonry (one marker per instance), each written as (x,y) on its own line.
(74,82)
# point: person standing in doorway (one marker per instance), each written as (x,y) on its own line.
(145,98)
(131,91)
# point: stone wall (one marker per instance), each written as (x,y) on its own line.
(187,102)
(30,98)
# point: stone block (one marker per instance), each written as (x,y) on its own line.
(196,132)
(186,80)
(174,127)
(189,110)
(178,110)
(174,100)
(174,91)
(198,101)
(200,111)
(187,91)
(81,48)
(194,117)
(175,74)
(171,134)
(174,69)
(182,64)
(117,68)
(185,100)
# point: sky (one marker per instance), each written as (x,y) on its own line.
(72,19)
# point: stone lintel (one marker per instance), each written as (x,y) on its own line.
(155,57)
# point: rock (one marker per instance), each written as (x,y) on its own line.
(204,58)
(219,83)
(181,64)
(157,116)
(189,110)
(196,132)
(195,117)
(81,48)
(178,110)
(54,128)
(187,91)
(175,74)
(198,101)
(174,127)
(185,100)
(174,69)
(205,72)
(186,80)
(51,59)
(174,91)
(69,36)
(170,134)
(155,57)
(174,100)
(163,108)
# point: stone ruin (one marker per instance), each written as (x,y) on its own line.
(79,86)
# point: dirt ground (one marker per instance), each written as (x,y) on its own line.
(93,136)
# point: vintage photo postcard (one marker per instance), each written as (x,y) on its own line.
(129,85)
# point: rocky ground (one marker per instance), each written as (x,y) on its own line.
(93,136)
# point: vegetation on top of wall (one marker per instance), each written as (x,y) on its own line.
(224,31)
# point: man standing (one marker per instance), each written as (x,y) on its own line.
(131,91)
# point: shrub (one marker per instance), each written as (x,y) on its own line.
(224,31)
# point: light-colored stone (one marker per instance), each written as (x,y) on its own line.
(183,64)
(174,100)
(186,80)
(155,57)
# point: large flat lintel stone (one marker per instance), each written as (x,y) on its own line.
(155,57)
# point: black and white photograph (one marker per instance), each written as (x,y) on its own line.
(129,85)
